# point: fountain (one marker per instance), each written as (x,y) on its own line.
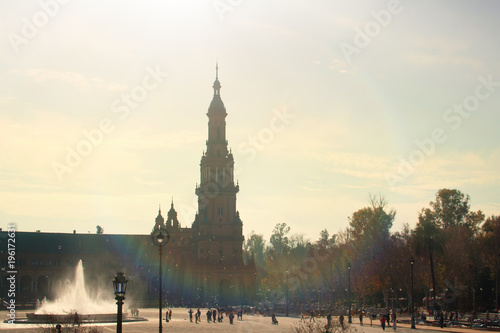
(75,303)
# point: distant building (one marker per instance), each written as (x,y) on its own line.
(202,264)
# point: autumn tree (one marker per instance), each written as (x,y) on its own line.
(369,236)
(490,250)
(452,209)
(428,240)
(279,238)
(254,249)
(451,214)
(399,254)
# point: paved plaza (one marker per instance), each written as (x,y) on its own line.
(250,324)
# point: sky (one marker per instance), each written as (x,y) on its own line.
(103,109)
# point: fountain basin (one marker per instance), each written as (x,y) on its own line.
(69,318)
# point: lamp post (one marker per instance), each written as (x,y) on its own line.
(349,293)
(160,238)
(392,306)
(412,313)
(333,297)
(496,282)
(120,286)
(286,295)
(320,296)
(473,300)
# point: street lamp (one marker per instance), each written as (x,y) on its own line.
(333,298)
(286,295)
(120,286)
(473,300)
(412,314)
(392,307)
(496,282)
(349,293)
(160,238)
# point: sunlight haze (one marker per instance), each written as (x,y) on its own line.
(327,101)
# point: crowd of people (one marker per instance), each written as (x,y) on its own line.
(215,315)
(387,319)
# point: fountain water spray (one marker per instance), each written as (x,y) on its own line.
(74,298)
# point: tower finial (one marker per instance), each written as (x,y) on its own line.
(216,85)
(159,208)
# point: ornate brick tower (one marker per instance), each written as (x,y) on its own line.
(217,225)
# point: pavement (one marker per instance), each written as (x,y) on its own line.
(250,324)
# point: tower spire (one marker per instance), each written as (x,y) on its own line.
(216,85)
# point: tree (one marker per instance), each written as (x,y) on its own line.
(452,209)
(490,249)
(99,230)
(369,238)
(254,249)
(451,214)
(400,252)
(371,224)
(279,239)
(429,239)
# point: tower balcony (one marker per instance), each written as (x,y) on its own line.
(211,187)
(212,141)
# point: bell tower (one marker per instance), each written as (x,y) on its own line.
(217,224)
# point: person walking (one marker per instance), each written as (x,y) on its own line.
(209,315)
(382,322)
(273,318)
(361,318)
(341,320)
(190,315)
(329,319)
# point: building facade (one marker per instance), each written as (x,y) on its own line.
(202,264)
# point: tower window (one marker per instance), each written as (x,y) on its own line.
(218,132)
(220,211)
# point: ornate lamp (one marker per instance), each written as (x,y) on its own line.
(160,237)
(120,287)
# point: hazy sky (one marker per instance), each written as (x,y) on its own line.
(103,109)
